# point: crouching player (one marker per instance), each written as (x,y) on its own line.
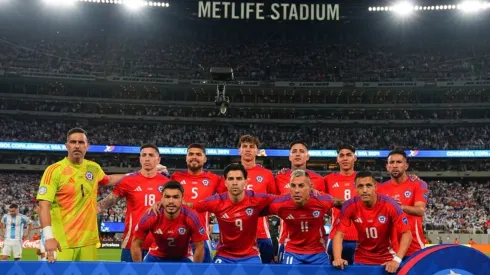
(375,217)
(173,229)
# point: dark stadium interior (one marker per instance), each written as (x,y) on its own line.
(37,45)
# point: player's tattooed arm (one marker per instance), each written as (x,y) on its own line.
(107,202)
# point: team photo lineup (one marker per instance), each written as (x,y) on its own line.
(373,223)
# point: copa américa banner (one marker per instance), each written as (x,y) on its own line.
(51,147)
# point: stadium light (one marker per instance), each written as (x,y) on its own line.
(403,8)
(134,4)
(472,6)
(61,3)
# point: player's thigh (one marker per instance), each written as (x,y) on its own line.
(87,253)
(7,248)
(126,255)
(290,258)
(250,260)
(223,260)
(266,250)
(17,250)
(318,259)
(67,254)
(151,259)
(280,254)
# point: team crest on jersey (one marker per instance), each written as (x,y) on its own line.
(407,194)
(201,230)
(382,219)
(182,230)
(316,214)
(249,211)
(205,182)
(259,179)
(426,196)
(405,220)
(160,188)
(89,175)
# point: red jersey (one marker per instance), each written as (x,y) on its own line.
(341,187)
(282,183)
(408,192)
(172,237)
(140,193)
(237,222)
(197,188)
(259,180)
(306,231)
(374,226)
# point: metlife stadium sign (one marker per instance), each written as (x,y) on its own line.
(279,11)
(121,149)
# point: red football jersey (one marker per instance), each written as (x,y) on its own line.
(282,183)
(260,180)
(197,188)
(237,222)
(140,193)
(408,192)
(341,187)
(172,237)
(374,226)
(306,231)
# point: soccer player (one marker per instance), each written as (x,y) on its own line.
(411,194)
(237,212)
(341,185)
(172,229)
(375,217)
(12,230)
(259,180)
(298,156)
(198,185)
(68,202)
(141,190)
(303,214)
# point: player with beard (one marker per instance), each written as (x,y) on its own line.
(298,156)
(141,189)
(411,194)
(341,185)
(375,217)
(198,185)
(172,230)
(259,180)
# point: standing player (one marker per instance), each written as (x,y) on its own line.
(68,202)
(303,214)
(198,185)
(341,185)
(375,217)
(259,180)
(141,190)
(298,156)
(172,230)
(411,194)
(12,232)
(237,212)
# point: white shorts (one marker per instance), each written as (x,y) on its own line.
(41,246)
(12,247)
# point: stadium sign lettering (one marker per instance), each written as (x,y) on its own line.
(109,244)
(309,84)
(259,11)
(389,84)
(463,83)
(229,83)
(27,244)
(142,80)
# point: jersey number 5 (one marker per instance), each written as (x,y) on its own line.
(194,192)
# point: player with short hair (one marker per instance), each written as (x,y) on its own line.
(172,230)
(410,193)
(12,231)
(303,213)
(259,180)
(198,185)
(298,156)
(68,202)
(341,185)
(141,190)
(375,217)
(237,212)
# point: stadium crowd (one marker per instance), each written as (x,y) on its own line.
(452,206)
(114,133)
(281,60)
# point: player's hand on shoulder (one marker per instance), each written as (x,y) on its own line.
(155,208)
(316,192)
(340,263)
(413,177)
(391,266)
(162,169)
(282,172)
(51,245)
